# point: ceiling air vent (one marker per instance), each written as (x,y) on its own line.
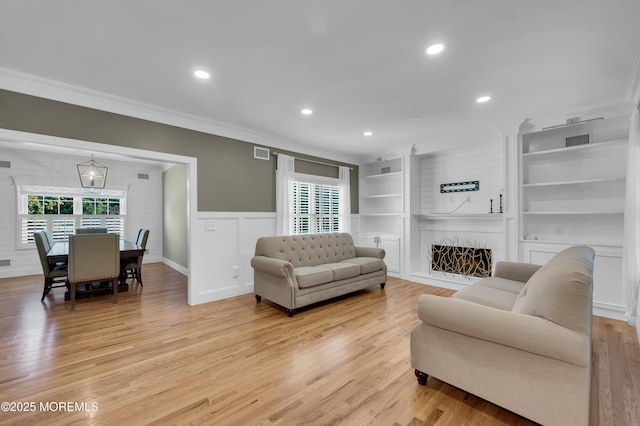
(577,140)
(143,176)
(260,153)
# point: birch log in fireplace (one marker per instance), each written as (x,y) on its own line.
(462,260)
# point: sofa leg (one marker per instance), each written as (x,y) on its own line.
(291,312)
(382,286)
(258,298)
(422,377)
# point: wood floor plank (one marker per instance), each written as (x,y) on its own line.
(152,359)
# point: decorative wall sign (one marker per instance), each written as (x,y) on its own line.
(473,185)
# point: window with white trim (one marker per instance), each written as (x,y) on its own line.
(59,211)
(316,207)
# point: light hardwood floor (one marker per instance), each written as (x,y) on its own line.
(153,359)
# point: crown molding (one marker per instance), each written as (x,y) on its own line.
(55,90)
(605,110)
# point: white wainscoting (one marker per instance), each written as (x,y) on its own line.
(223,253)
(224,245)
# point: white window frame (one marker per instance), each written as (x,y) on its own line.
(60,226)
(312,219)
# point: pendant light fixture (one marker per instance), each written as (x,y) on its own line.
(92,174)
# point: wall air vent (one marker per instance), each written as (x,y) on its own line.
(143,176)
(577,140)
(260,153)
(5,164)
(5,262)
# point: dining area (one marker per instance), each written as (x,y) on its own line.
(90,263)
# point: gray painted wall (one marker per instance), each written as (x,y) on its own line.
(229,178)
(174,219)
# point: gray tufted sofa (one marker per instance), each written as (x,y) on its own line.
(299,270)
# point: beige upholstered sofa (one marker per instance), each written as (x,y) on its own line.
(520,339)
(296,271)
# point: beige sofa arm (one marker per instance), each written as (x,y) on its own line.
(515,271)
(370,252)
(525,332)
(271,266)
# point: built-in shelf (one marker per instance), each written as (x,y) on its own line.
(575,213)
(461,216)
(578,148)
(573,182)
(570,242)
(382,208)
(574,193)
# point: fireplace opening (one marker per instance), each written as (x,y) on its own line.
(467,261)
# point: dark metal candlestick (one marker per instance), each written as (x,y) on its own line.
(491,201)
(500,203)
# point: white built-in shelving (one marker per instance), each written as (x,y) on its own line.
(382,208)
(574,193)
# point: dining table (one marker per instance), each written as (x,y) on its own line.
(60,253)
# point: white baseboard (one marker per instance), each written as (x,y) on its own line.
(175,266)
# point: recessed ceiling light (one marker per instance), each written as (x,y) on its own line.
(307,111)
(434,49)
(483,99)
(368,133)
(201,74)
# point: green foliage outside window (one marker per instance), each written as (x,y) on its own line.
(100,206)
(39,204)
(45,204)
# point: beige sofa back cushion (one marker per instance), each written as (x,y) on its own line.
(560,291)
(308,250)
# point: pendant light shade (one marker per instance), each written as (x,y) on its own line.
(92,174)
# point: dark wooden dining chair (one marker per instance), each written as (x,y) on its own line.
(93,258)
(55,275)
(133,266)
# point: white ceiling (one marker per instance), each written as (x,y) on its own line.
(359,64)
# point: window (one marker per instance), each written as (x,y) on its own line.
(315,205)
(59,211)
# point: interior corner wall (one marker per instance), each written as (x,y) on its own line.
(175,218)
(230,178)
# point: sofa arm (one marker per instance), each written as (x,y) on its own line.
(370,252)
(271,266)
(524,332)
(515,271)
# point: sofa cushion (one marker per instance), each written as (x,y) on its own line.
(342,270)
(501,284)
(560,291)
(487,296)
(309,276)
(367,264)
